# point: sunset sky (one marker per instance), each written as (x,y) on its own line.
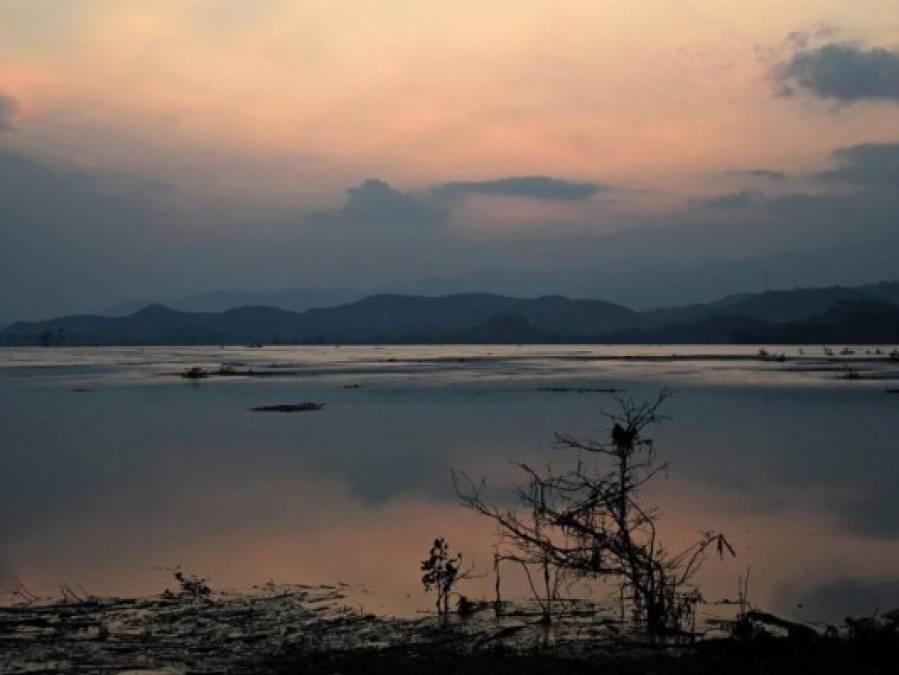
(646,152)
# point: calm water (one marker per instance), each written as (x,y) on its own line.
(113,467)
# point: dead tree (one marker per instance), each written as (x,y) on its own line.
(588,522)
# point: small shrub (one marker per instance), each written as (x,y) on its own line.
(441,572)
(192,585)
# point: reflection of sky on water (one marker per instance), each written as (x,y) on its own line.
(145,469)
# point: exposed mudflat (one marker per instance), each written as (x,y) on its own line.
(180,633)
(306,629)
(269,629)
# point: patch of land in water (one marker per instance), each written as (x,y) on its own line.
(580,390)
(305,406)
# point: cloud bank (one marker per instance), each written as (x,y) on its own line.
(843,71)
(374,202)
(530,187)
(733,200)
(769,174)
(867,164)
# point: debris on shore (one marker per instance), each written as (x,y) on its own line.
(293,628)
(170,631)
(272,628)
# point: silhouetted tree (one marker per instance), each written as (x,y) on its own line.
(441,571)
(589,522)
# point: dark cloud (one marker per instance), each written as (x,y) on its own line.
(843,71)
(374,202)
(759,173)
(8,108)
(732,200)
(532,187)
(868,164)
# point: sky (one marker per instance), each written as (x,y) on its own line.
(638,151)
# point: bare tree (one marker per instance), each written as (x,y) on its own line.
(588,522)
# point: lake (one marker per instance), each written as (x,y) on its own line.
(114,468)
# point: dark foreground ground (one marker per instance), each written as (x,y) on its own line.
(304,629)
(710,658)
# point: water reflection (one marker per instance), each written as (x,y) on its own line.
(142,469)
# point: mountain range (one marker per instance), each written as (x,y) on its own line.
(862,314)
(294,299)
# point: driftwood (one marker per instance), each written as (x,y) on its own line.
(198,373)
(305,406)
(795,631)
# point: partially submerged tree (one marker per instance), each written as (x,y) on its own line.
(589,523)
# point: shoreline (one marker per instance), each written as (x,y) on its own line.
(308,629)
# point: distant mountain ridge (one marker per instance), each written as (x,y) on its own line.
(834,314)
(293,299)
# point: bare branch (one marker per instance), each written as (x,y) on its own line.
(587,522)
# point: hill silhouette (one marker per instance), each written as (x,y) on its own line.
(864,314)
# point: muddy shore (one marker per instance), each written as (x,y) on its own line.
(309,629)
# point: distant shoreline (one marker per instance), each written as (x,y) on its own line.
(858,348)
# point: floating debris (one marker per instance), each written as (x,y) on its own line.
(581,390)
(305,406)
(229,370)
